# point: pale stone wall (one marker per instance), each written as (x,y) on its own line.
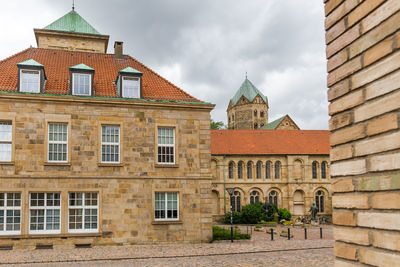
(295,175)
(287,124)
(126,190)
(242,116)
(71,43)
(363,55)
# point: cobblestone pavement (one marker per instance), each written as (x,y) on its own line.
(259,251)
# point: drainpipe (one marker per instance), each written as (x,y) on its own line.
(223,166)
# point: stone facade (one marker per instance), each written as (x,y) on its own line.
(296,187)
(248,115)
(364,73)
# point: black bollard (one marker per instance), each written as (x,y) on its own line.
(305,233)
(288,233)
(320,232)
(272,234)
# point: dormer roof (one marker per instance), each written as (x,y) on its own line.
(72,22)
(249,91)
(30,62)
(130,70)
(81,66)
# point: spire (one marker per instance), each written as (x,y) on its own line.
(249,91)
(73,5)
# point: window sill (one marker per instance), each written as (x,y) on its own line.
(39,235)
(110,164)
(57,164)
(165,222)
(6,162)
(158,165)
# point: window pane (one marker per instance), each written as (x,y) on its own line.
(81,84)
(30,81)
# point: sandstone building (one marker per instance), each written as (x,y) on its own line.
(97,148)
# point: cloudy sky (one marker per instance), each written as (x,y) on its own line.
(205,47)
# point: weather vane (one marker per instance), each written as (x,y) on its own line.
(73,4)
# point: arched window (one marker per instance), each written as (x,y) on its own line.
(255,113)
(240,170)
(233,117)
(255,125)
(261,114)
(258,170)
(323,170)
(254,197)
(320,201)
(235,201)
(277,170)
(268,170)
(249,170)
(314,170)
(273,198)
(230,170)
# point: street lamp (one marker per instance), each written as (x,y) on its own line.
(231,190)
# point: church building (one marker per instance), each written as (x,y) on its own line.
(97,148)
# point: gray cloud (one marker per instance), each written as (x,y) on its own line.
(205,47)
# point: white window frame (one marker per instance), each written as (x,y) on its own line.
(5,208)
(90,83)
(22,80)
(165,194)
(166,145)
(84,208)
(45,208)
(123,86)
(4,141)
(56,142)
(104,143)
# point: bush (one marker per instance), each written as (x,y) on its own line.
(268,211)
(251,214)
(224,234)
(284,214)
(236,217)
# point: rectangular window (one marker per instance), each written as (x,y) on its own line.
(83,212)
(10,213)
(81,84)
(130,87)
(166,145)
(30,81)
(166,206)
(57,142)
(110,148)
(5,141)
(45,210)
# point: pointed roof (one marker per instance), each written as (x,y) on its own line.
(273,125)
(30,62)
(81,66)
(72,22)
(249,91)
(130,70)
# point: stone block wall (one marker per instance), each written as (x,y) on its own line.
(363,41)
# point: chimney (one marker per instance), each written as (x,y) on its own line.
(118,49)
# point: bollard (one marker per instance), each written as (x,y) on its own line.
(320,232)
(288,233)
(305,233)
(272,234)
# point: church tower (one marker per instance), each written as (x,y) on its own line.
(248,109)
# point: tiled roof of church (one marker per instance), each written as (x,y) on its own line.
(270,142)
(57,63)
(72,22)
(249,91)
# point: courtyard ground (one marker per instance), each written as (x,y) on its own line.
(259,251)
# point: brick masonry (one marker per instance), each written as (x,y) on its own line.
(363,55)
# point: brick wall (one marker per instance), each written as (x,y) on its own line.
(363,41)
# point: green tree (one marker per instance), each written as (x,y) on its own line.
(216,125)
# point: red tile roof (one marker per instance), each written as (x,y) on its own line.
(267,142)
(57,62)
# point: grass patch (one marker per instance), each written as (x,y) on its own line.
(224,234)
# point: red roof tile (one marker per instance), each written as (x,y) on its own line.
(267,142)
(57,62)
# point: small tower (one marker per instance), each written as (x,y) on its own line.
(248,109)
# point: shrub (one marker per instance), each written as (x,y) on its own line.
(284,214)
(236,217)
(251,214)
(224,234)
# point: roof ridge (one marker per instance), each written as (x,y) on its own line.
(158,75)
(16,54)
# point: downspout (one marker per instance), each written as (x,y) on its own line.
(223,166)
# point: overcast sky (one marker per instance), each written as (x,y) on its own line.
(205,47)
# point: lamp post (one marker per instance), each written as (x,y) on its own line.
(230,191)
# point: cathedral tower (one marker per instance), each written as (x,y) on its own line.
(248,109)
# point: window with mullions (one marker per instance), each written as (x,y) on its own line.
(10,213)
(254,197)
(166,206)
(5,141)
(130,87)
(83,212)
(30,81)
(236,201)
(57,142)
(273,198)
(45,210)
(319,200)
(166,145)
(81,84)
(110,144)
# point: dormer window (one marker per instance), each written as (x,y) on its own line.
(81,80)
(31,76)
(129,83)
